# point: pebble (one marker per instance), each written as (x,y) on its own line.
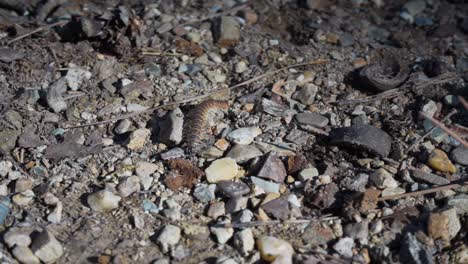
(244,135)
(308,174)
(392,191)
(306,95)
(273,108)
(278,208)
(358,183)
(383,179)
(55,95)
(429,177)
(311,119)
(236,204)
(439,161)
(430,108)
(46,247)
(362,137)
(25,255)
(23,184)
(243,153)
(122,126)
(138,138)
(243,216)
(168,237)
(241,67)
(204,193)
(316,235)
(76,76)
(460,155)
(17,237)
(444,225)
(103,200)
(171,128)
(275,250)
(459,202)
(273,168)
(232,189)
(227,32)
(297,136)
(344,247)
(56,215)
(8,140)
(145,169)
(413,251)
(244,241)
(216,210)
(267,186)
(414,7)
(128,185)
(222,234)
(24,198)
(222,169)
(5,167)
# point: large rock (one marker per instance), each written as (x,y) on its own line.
(221,169)
(46,247)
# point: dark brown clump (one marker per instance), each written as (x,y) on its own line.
(183,174)
(195,130)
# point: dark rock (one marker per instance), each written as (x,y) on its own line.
(311,119)
(325,196)
(460,155)
(70,150)
(227,31)
(413,251)
(8,55)
(297,163)
(273,108)
(429,177)
(278,208)
(173,153)
(362,137)
(233,189)
(273,168)
(29,139)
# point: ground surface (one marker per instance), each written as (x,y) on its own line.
(325,145)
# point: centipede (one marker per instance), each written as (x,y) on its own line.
(195,132)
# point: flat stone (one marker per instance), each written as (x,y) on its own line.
(311,119)
(459,202)
(168,237)
(25,255)
(278,208)
(316,235)
(392,191)
(145,169)
(383,179)
(171,128)
(244,135)
(275,250)
(243,153)
(232,189)
(204,193)
(244,241)
(138,138)
(103,200)
(362,137)
(216,210)
(308,174)
(273,108)
(128,185)
(428,177)
(222,234)
(227,31)
(46,247)
(173,153)
(236,204)
(273,169)
(306,94)
(267,186)
(222,169)
(444,225)
(297,136)
(439,161)
(460,155)
(17,237)
(344,247)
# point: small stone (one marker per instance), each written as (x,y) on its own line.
(103,200)
(17,237)
(267,186)
(169,237)
(311,119)
(244,135)
(444,225)
(8,139)
(76,76)
(460,155)
(460,203)
(273,108)
(227,32)
(25,255)
(171,128)
(55,95)
(23,184)
(243,216)
(383,179)
(439,161)
(56,215)
(414,251)
(275,250)
(24,198)
(222,234)
(344,247)
(221,169)
(244,153)
(430,108)
(306,94)
(204,193)
(297,136)
(241,67)
(138,138)
(128,185)
(216,210)
(278,208)
(308,174)
(222,144)
(145,169)
(316,235)
(244,241)
(5,167)
(46,247)
(273,169)
(429,177)
(123,126)
(236,204)
(392,191)
(358,183)
(232,189)
(414,7)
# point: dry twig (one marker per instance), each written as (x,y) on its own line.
(39,29)
(273,222)
(422,192)
(446,129)
(203,96)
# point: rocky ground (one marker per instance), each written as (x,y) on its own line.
(227,131)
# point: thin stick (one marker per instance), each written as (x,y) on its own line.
(148,53)
(446,130)
(464,102)
(416,193)
(39,29)
(454,111)
(150,110)
(230,11)
(271,222)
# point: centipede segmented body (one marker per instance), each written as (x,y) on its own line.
(195,131)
